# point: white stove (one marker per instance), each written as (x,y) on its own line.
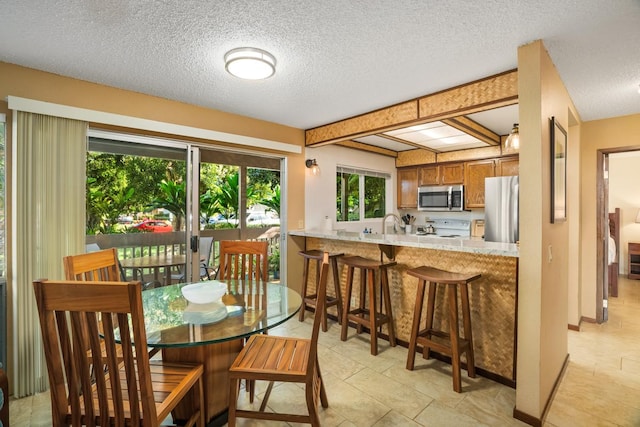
(445,227)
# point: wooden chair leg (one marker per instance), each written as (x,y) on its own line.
(305,276)
(363,296)
(430,311)
(267,394)
(234,388)
(347,304)
(324,313)
(415,327)
(454,336)
(336,284)
(384,280)
(468,335)
(373,318)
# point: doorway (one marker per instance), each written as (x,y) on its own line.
(616,176)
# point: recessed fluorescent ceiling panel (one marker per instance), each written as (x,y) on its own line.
(437,136)
(382,142)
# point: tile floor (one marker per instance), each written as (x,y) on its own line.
(601,385)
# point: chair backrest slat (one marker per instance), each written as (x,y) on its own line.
(241,259)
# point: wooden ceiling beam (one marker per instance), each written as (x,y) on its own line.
(405,142)
(468,126)
(491,92)
(366,147)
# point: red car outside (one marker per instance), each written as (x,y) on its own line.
(154,226)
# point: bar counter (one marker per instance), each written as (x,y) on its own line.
(492,297)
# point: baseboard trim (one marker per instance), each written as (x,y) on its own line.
(537,422)
(574,327)
(588,320)
(526,418)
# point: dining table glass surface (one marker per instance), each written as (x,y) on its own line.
(248,307)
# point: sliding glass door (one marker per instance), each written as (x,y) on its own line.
(150,197)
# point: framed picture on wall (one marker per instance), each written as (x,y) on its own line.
(558,172)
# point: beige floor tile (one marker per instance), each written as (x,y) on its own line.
(394,394)
(394,419)
(439,415)
(601,386)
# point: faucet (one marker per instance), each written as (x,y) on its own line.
(396,217)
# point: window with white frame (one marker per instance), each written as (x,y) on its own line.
(361,194)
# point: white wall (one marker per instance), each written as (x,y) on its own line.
(624,176)
(321,189)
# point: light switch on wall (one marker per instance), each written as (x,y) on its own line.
(300,223)
(550,253)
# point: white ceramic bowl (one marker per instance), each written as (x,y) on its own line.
(204,292)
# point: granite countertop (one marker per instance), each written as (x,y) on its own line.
(457,244)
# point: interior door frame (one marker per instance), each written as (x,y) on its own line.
(602,226)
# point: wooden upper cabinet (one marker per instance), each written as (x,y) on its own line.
(452,173)
(428,175)
(444,174)
(508,166)
(407,188)
(475,172)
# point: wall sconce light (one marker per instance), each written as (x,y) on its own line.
(250,63)
(313,165)
(513,140)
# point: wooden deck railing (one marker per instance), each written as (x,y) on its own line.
(131,245)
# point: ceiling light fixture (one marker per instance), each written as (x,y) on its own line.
(250,63)
(513,140)
(313,165)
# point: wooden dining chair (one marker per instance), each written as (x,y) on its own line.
(271,358)
(205,245)
(133,391)
(240,260)
(243,259)
(102,266)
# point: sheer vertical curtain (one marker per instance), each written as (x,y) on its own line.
(49,223)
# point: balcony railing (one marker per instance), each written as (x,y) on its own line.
(131,245)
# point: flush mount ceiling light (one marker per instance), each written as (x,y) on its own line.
(250,63)
(313,165)
(513,140)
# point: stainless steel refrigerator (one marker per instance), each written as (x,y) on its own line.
(501,209)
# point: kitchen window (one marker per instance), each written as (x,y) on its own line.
(360,194)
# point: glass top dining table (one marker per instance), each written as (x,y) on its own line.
(247,308)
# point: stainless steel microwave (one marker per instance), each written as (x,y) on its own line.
(441,198)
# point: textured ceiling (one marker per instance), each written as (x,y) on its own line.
(336,58)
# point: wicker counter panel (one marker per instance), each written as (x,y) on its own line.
(492,297)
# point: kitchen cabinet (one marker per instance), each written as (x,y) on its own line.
(508,166)
(474,174)
(443,174)
(471,174)
(633,268)
(407,188)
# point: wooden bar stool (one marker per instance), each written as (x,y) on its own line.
(311,300)
(456,345)
(369,316)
